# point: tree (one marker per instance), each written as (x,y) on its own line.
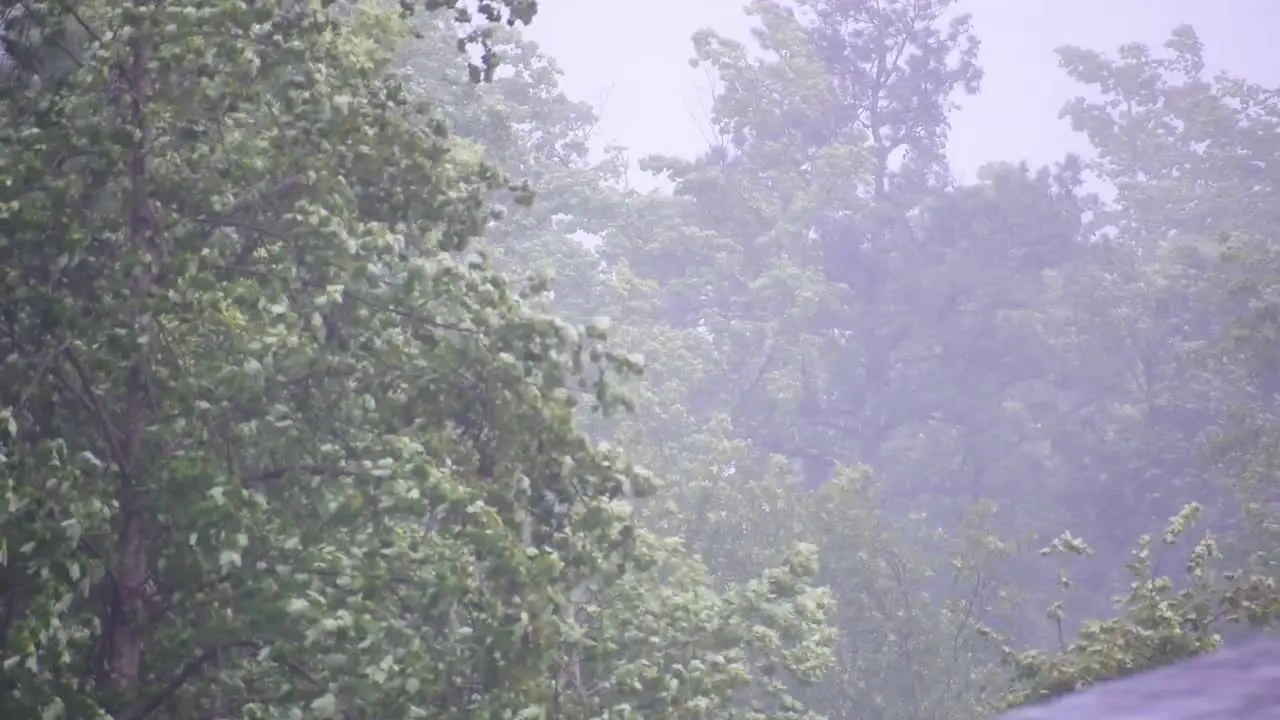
(274,443)
(1181,321)
(1187,157)
(780,283)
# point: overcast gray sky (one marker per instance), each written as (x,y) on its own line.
(629,59)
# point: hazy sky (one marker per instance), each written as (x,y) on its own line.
(629,59)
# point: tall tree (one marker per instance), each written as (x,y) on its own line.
(1170,345)
(788,260)
(275,445)
(1189,158)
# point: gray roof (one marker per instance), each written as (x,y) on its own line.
(1238,683)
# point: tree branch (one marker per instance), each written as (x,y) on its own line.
(187,672)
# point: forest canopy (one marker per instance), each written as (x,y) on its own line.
(341,377)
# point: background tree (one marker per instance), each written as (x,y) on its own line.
(785,259)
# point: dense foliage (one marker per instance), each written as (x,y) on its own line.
(342,379)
